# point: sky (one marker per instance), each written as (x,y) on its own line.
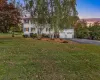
(88,8)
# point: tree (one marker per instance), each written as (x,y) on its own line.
(39,13)
(60,13)
(82,32)
(95,31)
(63,14)
(81,29)
(9,16)
(91,32)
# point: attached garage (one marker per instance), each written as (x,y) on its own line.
(67,33)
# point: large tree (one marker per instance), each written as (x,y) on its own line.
(60,13)
(9,16)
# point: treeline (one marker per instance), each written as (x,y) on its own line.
(88,32)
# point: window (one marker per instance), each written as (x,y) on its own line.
(40,29)
(27,29)
(49,29)
(46,29)
(32,29)
(26,21)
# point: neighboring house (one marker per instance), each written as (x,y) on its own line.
(29,27)
(91,21)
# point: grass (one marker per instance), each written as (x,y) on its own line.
(28,59)
(5,35)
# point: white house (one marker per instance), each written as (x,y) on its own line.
(29,27)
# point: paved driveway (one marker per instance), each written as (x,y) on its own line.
(86,41)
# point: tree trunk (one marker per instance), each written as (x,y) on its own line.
(39,36)
(13,35)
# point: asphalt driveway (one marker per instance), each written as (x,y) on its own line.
(86,41)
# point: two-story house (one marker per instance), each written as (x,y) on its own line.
(29,27)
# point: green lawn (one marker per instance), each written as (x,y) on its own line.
(5,35)
(28,59)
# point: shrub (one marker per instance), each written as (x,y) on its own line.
(82,32)
(45,35)
(25,35)
(32,35)
(95,32)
